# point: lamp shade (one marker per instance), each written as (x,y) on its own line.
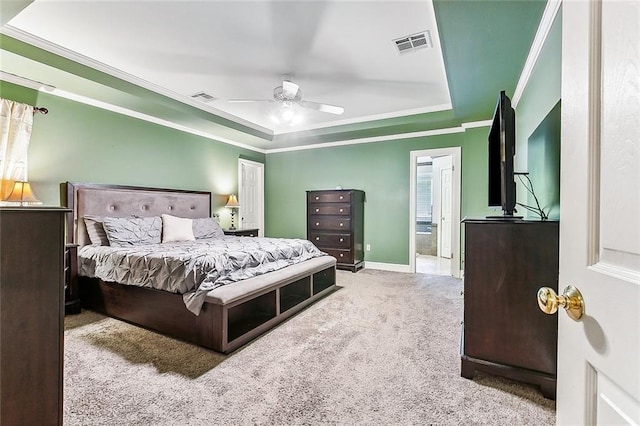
(233,201)
(22,195)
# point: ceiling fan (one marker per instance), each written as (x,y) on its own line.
(289,93)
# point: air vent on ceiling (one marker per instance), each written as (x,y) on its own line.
(414,42)
(203,96)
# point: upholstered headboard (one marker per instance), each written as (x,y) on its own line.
(124,201)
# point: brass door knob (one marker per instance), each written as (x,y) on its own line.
(571,300)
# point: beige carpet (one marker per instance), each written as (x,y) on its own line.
(381,350)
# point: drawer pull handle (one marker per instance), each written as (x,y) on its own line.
(317,238)
(317,223)
(341,210)
(341,224)
(341,197)
(317,198)
(341,239)
(341,255)
(317,210)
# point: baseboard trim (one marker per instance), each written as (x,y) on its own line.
(393,267)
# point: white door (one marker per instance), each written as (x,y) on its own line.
(445,213)
(599,355)
(251,195)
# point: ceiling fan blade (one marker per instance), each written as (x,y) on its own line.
(249,100)
(331,109)
(289,89)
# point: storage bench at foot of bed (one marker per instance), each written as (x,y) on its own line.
(231,316)
(248,308)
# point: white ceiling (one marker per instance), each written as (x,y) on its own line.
(339,52)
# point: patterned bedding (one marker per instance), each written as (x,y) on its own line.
(193,268)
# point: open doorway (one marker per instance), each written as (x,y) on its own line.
(435,208)
(433,215)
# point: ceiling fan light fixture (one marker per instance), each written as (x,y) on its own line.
(287,102)
(274,118)
(297,119)
(286,113)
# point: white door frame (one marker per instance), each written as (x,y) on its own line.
(259,193)
(456,161)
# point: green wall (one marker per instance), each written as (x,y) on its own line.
(544,164)
(381,169)
(77,142)
(538,127)
(475,179)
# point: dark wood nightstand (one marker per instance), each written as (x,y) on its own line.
(248,232)
(71,299)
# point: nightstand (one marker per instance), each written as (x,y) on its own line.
(71,299)
(248,232)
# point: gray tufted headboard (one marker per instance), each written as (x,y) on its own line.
(122,201)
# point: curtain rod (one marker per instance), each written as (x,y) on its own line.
(27,82)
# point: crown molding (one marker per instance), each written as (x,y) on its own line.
(117,73)
(114,72)
(345,142)
(461,129)
(548,16)
(24,81)
(476,124)
(149,118)
(367,118)
(56,49)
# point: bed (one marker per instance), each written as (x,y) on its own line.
(225,317)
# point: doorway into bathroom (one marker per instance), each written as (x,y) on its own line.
(436,211)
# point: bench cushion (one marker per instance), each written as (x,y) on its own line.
(239,290)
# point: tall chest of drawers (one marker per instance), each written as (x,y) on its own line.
(335,224)
(31,315)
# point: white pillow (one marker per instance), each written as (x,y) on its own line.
(176,229)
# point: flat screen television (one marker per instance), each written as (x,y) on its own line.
(502,148)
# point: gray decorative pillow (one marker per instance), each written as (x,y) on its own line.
(206,227)
(133,231)
(97,234)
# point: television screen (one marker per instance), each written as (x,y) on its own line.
(502,146)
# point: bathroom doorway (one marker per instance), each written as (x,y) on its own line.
(435,208)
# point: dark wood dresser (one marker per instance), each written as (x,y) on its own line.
(504,331)
(335,224)
(31,315)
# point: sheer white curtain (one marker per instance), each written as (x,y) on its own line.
(16,122)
